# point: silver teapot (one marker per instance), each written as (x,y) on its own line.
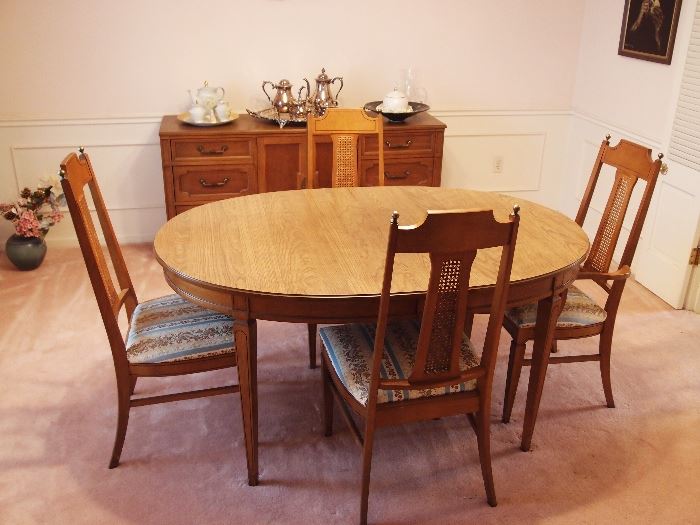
(323,96)
(283,100)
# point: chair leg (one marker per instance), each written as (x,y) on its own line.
(469,324)
(312,345)
(483,438)
(515,366)
(366,467)
(605,353)
(327,399)
(124,398)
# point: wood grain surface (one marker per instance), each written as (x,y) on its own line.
(332,242)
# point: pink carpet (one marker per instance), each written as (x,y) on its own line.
(184,463)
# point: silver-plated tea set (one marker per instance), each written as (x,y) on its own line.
(285,108)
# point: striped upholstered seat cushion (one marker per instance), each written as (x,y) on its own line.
(579,310)
(171,329)
(350,348)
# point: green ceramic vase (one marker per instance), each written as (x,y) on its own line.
(26,253)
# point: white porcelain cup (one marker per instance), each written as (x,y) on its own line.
(223,112)
(197,113)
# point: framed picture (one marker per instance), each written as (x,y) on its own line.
(649,29)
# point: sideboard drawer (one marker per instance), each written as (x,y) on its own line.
(399,144)
(417,172)
(209,149)
(209,183)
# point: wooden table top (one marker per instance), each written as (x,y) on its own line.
(332,242)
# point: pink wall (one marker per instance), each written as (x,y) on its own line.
(129,58)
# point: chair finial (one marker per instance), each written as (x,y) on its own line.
(661,156)
(607,138)
(516,209)
(394,217)
(62,173)
(81,149)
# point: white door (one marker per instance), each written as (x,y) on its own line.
(670,233)
(673,223)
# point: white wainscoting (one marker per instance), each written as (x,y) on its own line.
(126,156)
(532,146)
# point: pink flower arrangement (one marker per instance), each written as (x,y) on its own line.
(35,211)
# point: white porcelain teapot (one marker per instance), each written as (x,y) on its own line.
(207,96)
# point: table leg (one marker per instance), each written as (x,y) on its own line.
(245,335)
(548,310)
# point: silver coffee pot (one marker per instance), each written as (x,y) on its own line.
(322,97)
(283,100)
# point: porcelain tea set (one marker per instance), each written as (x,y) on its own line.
(208,107)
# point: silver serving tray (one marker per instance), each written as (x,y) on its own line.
(281,119)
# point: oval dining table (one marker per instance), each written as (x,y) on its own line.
(317,256)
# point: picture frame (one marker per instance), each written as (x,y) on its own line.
(649,29)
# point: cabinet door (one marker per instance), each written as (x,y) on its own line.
(281,163)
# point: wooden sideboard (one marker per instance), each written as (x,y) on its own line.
(205,164)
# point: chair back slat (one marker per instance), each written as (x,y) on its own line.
(608,233)
(452,239)
(346,172)
(632,162)
(78,175)
(344,126)
(442,326)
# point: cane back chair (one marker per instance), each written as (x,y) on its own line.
(581,316)
(167,336)
(400,371)
(344,126)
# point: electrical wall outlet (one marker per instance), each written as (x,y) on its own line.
(498,164)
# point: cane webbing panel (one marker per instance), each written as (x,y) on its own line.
(611,223)
(345,169)
(439,352)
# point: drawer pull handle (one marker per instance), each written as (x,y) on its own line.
(403,175)
(395,146)
(219,151)
(206,184)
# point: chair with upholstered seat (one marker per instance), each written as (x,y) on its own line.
(344,127)
(403,370)
(581,316)
(167,336)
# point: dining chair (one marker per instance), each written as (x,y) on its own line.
(167,336)
(344,127)
(404,370)
(581,316)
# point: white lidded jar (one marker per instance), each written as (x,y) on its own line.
(395,102)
